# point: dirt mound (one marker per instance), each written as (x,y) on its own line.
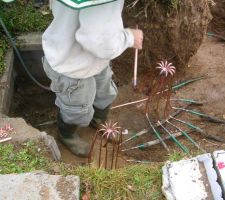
(173,30)
(217,24)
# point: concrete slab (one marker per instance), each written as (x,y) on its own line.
(39,186)
(52,145)
(27,42)
(30,41)
(6,84)
(193,179)
(22,132)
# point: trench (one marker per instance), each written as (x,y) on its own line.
(37,107)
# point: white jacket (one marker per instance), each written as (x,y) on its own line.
(80,43)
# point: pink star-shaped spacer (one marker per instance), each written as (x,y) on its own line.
(166,68)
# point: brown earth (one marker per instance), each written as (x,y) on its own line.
(173,30)
(37,106)
(217,24)
(172,34)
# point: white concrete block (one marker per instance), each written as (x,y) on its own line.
(207,161)
(193,179)
(219,159)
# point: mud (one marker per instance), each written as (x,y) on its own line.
(37,106)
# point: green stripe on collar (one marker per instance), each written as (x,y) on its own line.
(80,4)
(7,1)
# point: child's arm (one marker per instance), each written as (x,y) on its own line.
(101,31)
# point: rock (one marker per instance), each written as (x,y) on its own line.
(39,186)
(191,179)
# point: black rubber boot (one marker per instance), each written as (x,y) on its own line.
(100,117)
(69,136)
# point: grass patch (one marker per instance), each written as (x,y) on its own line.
(21,158)
(132,182)
(20,17)
(176,156)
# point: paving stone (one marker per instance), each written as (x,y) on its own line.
(39,186)
(193,179)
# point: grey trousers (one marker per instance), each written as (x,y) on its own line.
(76,97)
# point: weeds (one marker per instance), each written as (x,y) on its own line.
(176,156)
(21,158)
(132,182)
(19,18)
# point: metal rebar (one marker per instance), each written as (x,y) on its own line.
(187,136)
(157,133)
(184,83)
(100,153)
(92,147)
(191,101)
(47,123)
(113,144)
(136,135)
(144,131)
(196,128)
(5,139)
(203,115)
(139,161)
(174,139)
(106,154)
(175,87)
(151,143)
(118,149)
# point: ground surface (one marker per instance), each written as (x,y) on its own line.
(37,106)
(218,21)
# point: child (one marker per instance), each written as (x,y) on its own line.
(78,47)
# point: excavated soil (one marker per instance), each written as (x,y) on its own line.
(37,106)
(174,34)
(217,24)
(173,30)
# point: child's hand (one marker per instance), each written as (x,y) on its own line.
(138,38)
